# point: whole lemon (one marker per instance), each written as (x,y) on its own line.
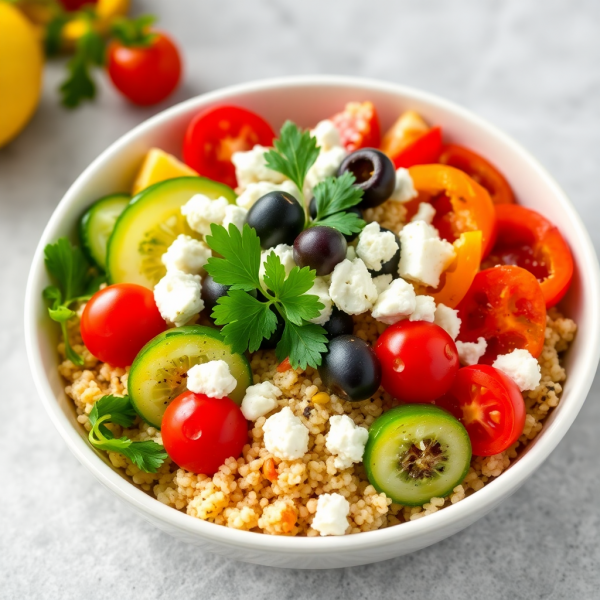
(21,63)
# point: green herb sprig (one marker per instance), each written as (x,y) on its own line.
(147,455)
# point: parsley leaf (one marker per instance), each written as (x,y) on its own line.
(295,153)
(299,306)
(240,260)
(304,344)
(119,408)
(345,222)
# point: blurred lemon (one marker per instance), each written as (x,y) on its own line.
(21,63)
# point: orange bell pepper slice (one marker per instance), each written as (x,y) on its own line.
(456,280)
(470,207)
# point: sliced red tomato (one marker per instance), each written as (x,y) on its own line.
(530,241)
(461,204)
(215,134)
(479,169)
(489,405)
(505,305)
(284,366)
(424,150)
(358,125)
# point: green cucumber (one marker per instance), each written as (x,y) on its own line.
(417,452)
(148,226)
(158,373)
(97,224)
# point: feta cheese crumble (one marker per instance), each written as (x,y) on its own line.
(332,513)
(382,282)
(424,309)
(521,367)
(235,215)
(395,303)
(285,254)
(425,212)
(327,135)
(447,318)
(200,211)
(177,296)
(404,189)
(259,400)
(285,436)
(254,191)
(469,353)
(320,289)
(376,247)
(214,379)
(327,164)
(424,255)
(352,289)
(186,254)
(346,440)
(251,167)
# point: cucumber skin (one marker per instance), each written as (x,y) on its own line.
(408,410)
(175,332)
(84,223)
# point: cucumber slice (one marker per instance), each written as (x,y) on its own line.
(417,452)
(97,224)
(158,374)
(148,226)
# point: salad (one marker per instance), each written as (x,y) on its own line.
(315,332)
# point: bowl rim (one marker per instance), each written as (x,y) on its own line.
(456,513)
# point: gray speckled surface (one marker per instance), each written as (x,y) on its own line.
(531,68)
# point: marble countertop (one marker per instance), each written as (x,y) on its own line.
(529,67)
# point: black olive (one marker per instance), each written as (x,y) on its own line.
(350,368)
(391,266)
(270,343)
(320,248)
(340,323)
(212,291)
(312,210)
(277,218)
(375,175)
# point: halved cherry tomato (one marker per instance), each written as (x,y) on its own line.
(200,433)
(358,125)
(407,128)
(421,151)
(215,134)
(479,169)
(284,365)
(456,280)
(505,305)
(418,361)
(528,240)
(118,321)
(461,204)
(489,405)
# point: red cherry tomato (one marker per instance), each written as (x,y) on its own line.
(118,321)
(213,135)
(358,125)
(145,74)
(489,405)
(530,241)
(479,169)
(72,5)
(422,151)
(418,361)
(505,305)
(200,433)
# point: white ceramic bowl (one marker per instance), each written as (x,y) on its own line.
(306,100)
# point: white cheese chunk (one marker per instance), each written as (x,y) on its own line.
(376,247)
(447,318)
(350,252)
(259,400)
(235,215)
(404,189)
(326,165)
(285,436)
(346,441)
(395,303)
(285,254)
(469,353)
(213,379)
(254,191)
(327,135)
(424,255)
(382,282)
(424,309)
(352,289)
(177,296)
(200,211)
(425,212)
(186,254)
(521,367)
(320,289)
(332,513)
(251,167)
